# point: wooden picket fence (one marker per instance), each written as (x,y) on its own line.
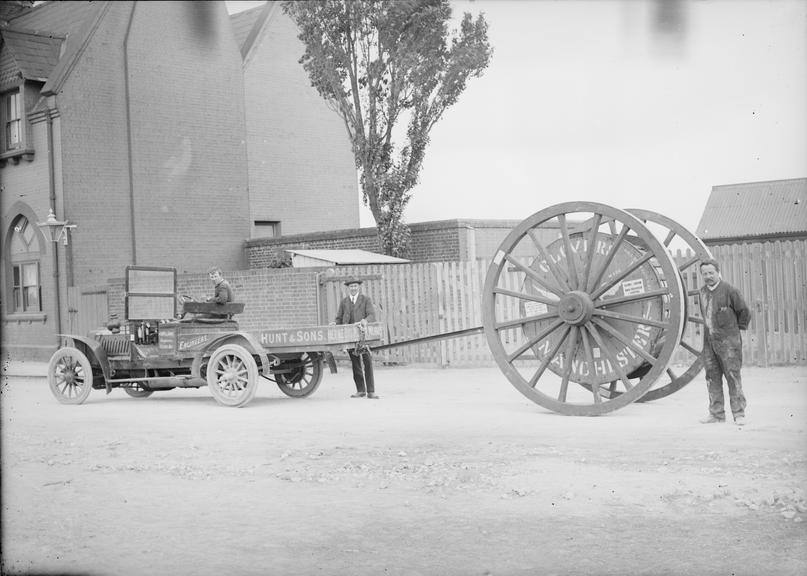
(772,277)
(423,299)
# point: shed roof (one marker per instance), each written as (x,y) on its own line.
(771,208)
(34,54)
(348,256)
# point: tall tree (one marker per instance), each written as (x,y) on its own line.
(381,64)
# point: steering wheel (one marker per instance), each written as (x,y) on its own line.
(181,299)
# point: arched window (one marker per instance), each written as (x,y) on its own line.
(26,293)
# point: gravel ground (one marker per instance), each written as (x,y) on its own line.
(450,472)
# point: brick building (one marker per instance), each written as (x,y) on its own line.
(130,121)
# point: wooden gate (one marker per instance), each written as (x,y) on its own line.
(87,309)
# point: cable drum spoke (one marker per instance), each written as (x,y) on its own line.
(592,248)
(533,341)
(525,320)
(595,390)
(567,368)
(560,277)
(568,247)
(609,257)
(629,343)
(630,318)
(524,296)
(634,298)
(621,276)
(545,362)
(689,263)
(691,349)
(534,276)
(610,355)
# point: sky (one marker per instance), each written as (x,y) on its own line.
(635,104)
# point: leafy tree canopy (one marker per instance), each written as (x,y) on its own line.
(382,63)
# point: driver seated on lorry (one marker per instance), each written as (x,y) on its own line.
(222,291)
(222,294)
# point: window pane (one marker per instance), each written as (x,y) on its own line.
(13,133)
(30,275)
(18,243)
(17,300)
(17,282)
(27,234)
(267,228)
(32,299)
(13,106)
(23,244)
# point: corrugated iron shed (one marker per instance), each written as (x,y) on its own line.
(755,209)
(323,257)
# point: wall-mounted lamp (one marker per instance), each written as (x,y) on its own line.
(57,229)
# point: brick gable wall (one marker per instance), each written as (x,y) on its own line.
(188,156)
(301,168)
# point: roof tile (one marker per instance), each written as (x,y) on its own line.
(35,54)
(61,18)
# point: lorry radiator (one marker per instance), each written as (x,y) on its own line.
(115,344)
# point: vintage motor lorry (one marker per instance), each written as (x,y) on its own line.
(167,341)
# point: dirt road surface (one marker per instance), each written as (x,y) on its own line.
(451,472)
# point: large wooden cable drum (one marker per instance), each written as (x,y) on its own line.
(582,293)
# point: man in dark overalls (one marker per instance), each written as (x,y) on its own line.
(725,314)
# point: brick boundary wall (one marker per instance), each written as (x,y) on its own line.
(271,252)
(273,298)
(439,241)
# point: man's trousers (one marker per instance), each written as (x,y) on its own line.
(724,357)
(360,380)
